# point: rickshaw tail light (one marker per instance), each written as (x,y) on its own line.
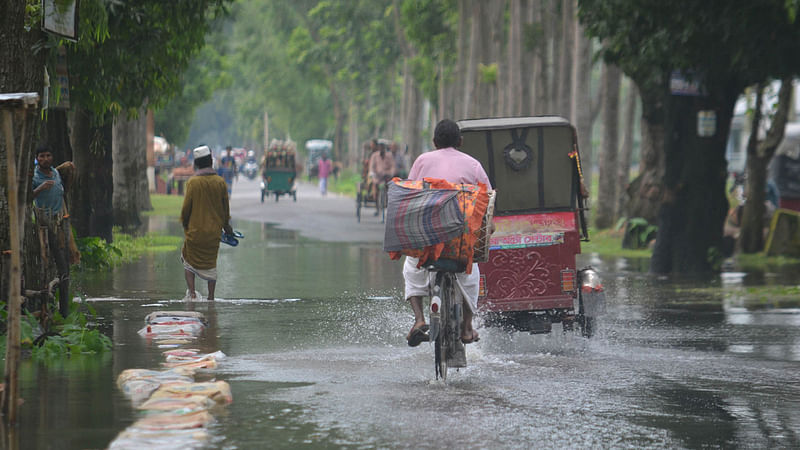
(567,280)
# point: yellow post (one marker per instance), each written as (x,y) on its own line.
(14,289)
(9,103)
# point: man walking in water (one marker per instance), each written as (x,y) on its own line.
(205,213)
(448,163)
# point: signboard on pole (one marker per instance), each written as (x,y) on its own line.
(61,17)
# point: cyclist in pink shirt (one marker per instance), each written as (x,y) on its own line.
(448,163)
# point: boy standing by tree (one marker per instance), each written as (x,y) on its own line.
(50,211)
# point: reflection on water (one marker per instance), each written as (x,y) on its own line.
(314,334)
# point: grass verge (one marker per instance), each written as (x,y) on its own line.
(165,205)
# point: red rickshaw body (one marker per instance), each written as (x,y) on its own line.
(530,275)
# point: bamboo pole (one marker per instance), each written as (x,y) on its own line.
(11,391)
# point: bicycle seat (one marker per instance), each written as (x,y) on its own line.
(445,265)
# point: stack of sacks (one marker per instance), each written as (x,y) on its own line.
(138,384)
(173,328)
(175,410)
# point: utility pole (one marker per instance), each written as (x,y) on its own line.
(266,130)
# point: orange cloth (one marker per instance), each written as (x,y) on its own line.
(474,200)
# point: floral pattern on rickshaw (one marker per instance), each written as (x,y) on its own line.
(521,274)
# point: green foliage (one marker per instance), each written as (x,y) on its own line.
(608,243)
(488,74)
(638,233)
(165,205)
(207,73)
(96,253)
(649,38)
(140,58)
(69,336)
(33,14)
(99,255)
(345,183)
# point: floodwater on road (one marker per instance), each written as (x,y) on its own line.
(314,334)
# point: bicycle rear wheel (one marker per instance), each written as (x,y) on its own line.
(441,342)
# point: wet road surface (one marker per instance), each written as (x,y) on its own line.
(314,333)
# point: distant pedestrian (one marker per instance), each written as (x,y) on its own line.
(227,168)
(51,213)
(205,214)
(324,170)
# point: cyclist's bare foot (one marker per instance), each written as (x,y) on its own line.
(470,336)
(418,334)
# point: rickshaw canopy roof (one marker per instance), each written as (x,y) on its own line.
(511,122)
(319,144)
(531,161)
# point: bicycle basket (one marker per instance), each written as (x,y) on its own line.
(484,236)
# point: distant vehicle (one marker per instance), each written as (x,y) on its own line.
(280,173)
(315,149)
(250,169)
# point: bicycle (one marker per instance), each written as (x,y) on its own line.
(446,316)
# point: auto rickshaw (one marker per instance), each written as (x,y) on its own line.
(529,278)
(315,148)
(279,174)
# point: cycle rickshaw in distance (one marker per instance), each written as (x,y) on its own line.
(279,174)
(364,193)
(529,279)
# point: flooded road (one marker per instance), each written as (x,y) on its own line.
(314,333)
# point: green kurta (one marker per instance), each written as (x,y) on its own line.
(205,212)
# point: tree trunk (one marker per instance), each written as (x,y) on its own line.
(626,151)
(759,155)
(694,205)
(412,112)
(530,61)
(472,80)
(607,167)
(21,71)
(569,22)
(496,30)
(514,91)
(129,156)
(542,89)
(339,118)
(553,24)
(91,196)
(646,190)
(353,148)
(582,116)
(462,65)
(751,236)
(55,133)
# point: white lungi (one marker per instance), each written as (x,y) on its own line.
(208,274)
(418,282)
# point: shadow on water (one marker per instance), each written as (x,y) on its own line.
(314,334)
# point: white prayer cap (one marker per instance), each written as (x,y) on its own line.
(201,151)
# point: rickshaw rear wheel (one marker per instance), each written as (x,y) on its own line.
(358,206)
(262,196)
(587,326)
